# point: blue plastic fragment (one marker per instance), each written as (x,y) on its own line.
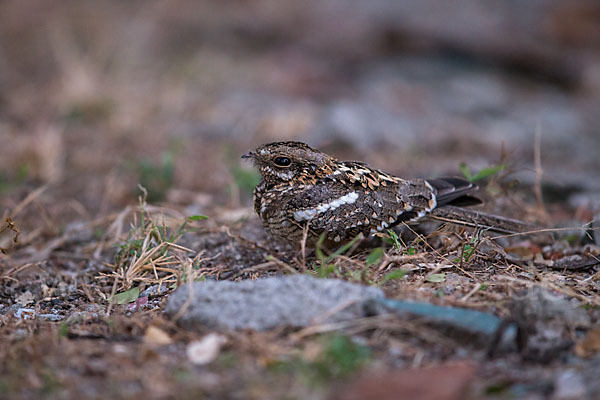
(471,320)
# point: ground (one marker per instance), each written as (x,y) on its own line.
(122,126)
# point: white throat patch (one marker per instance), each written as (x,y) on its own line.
(283,175)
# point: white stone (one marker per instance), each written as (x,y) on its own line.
(206,350)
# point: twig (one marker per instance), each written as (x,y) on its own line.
(245,240)
(545,230)
(282,264)
(398,260)
(539,172)
(27,200)
(254,268)
(565,291)
(15,270)
(321,318)
(190,298)
(303,245)
(334,326)
(112,295)
(472,292)
(439,254)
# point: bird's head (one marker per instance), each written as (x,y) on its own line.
(284,161)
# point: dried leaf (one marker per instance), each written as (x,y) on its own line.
(156,337)
(9,226)
(138,303)
(590,345)
(25,298)
(524,252)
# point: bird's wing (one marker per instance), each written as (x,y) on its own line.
(344,208)
(454,191)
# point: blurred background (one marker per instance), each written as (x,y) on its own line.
(97,96)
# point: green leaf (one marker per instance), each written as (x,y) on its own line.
(319,248)
(197,217)
(467,252)
(63,330)
(128,296)
(325,270)
(464,168)
(375,256)
(486,172)
(411,251)
(396,274)
(395,239)
(436,278)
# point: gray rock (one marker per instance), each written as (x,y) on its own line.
(262,304)
(546,320)
(366,125)
(545,305)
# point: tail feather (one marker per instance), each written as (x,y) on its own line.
(474,218)
(452,194)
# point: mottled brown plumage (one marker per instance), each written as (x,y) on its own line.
(301,185)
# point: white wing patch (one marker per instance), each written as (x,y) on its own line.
(310,213)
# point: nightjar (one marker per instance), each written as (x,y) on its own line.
(304,188)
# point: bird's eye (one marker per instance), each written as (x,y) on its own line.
(282,161)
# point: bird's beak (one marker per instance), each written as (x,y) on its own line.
(249,155)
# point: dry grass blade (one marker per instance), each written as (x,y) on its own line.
(545,284)
(28,200)
(388,260)
(190,298)
(583,228)
(385,322)
(149,253)
(15,270)
(539,171)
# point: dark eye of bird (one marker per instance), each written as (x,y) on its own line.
(282,161)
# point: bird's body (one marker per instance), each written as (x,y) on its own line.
(303,189)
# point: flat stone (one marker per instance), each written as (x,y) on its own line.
(546,320)
(294,301)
